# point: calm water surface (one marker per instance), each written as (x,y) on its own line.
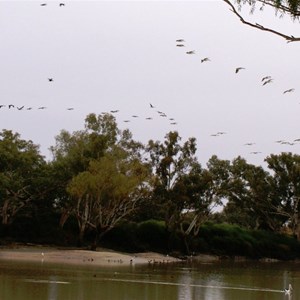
(218,281)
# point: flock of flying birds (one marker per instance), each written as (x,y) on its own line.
(264,81)
(160,114)
(180,43)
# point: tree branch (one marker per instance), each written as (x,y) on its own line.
(289,38)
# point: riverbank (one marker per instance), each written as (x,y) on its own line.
(100,257)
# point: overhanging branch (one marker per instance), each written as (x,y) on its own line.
(289,38)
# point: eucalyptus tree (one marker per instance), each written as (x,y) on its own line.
(73,152)
(88,164)
(182,189)
(170,161)
(281,7)
(286,187)
(108,191)
(21,171)
(249,193)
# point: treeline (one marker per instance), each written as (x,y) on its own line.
(100,180)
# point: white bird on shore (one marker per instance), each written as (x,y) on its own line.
(289,290)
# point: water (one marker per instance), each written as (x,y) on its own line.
(217,281)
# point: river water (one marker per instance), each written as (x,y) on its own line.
(216,281)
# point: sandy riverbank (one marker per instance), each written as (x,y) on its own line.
(81,257)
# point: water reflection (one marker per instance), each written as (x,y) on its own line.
(206,282)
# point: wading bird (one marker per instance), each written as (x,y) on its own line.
(289,290)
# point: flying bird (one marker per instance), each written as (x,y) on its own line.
(50,79)
(114,111)
(61,4)
(43,4)
(20,108)
(180,41)
(268,81)
(29,108)
(151,105)
(126,121)
(2,105)
(191,52)
(180,45)
(173,123)
(239,69)
(249,144)
(255,152)
(11,106)
(266,78)
(42,107)
(205,59)
(135,116)
(288,91)
(70,108)
(149,118)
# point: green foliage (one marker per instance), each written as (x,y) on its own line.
(232,240)
(153,235)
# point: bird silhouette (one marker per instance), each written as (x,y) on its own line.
(20,108)
(61,4)
(29,108)
(135,116)
(43,4)
(114,111)
(173,123)
(180,45)
(50,79)
(42,107)
(11,106)
(239,69)
(180,41)
(205,59)
(149,118)
(151,105)
(268,81)
(126,121)
(2,105)
(70,108)
(266,78)
(249,144)
(191,52)
(288,91)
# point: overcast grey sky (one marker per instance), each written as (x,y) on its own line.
(121,55)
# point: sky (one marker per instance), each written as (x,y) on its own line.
(122,55)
